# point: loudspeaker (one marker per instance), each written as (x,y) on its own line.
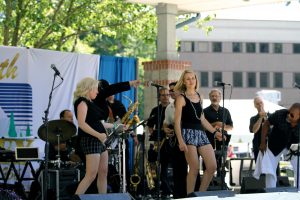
(252,185)
(283,181)
(220,193)
(110,196)
(281,189)
(61,184)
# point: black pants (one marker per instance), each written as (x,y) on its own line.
(165,159)
(179,165)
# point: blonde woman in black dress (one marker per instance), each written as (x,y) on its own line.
(92,135)
(190,124)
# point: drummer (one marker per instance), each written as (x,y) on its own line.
(65,149)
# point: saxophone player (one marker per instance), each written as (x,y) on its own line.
(177,157)
(164,97)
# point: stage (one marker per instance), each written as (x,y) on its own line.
(259,196)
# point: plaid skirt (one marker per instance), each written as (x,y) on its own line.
(91,145)
(194,137)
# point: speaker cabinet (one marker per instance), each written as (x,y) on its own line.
(283,181)
(61,183)
(219,193)
(281,189)
(252,185)
(110,196)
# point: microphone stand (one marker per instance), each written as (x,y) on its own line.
(45,121)
(158,144)
(298,151)
(223,158)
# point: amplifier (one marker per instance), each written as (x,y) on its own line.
(62,181)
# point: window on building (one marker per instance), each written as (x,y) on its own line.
(217,46)
(237,47)
(296,48)
(250,47)
(264,47)
(278,80)
(216,76)
(203,46)
(277,48)
(264,79)
(237,79)
(193,46)
(186,46)
(179,46)
(251,79)
(204,79)
(297,78)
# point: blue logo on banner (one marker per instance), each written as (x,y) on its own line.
(16,102)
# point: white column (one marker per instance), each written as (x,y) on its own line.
(166,33)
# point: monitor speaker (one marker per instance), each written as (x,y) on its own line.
(109,196)
(219,193)
(252,185)
(281,189)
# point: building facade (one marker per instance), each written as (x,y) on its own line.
(250,55)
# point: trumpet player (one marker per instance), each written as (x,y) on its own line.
(177,157)
(164,149)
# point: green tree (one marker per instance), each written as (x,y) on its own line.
(110,26)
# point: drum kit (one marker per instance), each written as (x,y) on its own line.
(59,131)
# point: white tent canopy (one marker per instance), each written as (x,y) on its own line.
(241,111)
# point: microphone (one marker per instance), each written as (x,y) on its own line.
(56,71)
(150,83)
(296,85)
(219,83)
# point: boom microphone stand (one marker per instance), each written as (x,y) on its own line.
(45,124)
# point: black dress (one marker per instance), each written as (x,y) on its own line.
(88,143)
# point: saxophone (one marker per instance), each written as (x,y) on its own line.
(135,178)
(131,108)
(149,176)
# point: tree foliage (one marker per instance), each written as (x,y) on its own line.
(111,27)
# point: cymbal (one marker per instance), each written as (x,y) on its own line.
(63,128)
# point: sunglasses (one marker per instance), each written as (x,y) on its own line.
(171,90)
(291,115)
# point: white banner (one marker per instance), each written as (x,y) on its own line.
(26,80)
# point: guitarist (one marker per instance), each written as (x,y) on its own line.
(214,115)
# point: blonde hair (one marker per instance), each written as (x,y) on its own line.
(180,87)
(84,86)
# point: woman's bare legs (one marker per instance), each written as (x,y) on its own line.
(210,162)
(102,173)
(192,159)
(92,165)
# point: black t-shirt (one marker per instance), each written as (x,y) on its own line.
(153,120)
(257,136)
(282,134)
(93,117)
(212,116)
(118,109)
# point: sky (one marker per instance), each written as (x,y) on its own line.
(278,11)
